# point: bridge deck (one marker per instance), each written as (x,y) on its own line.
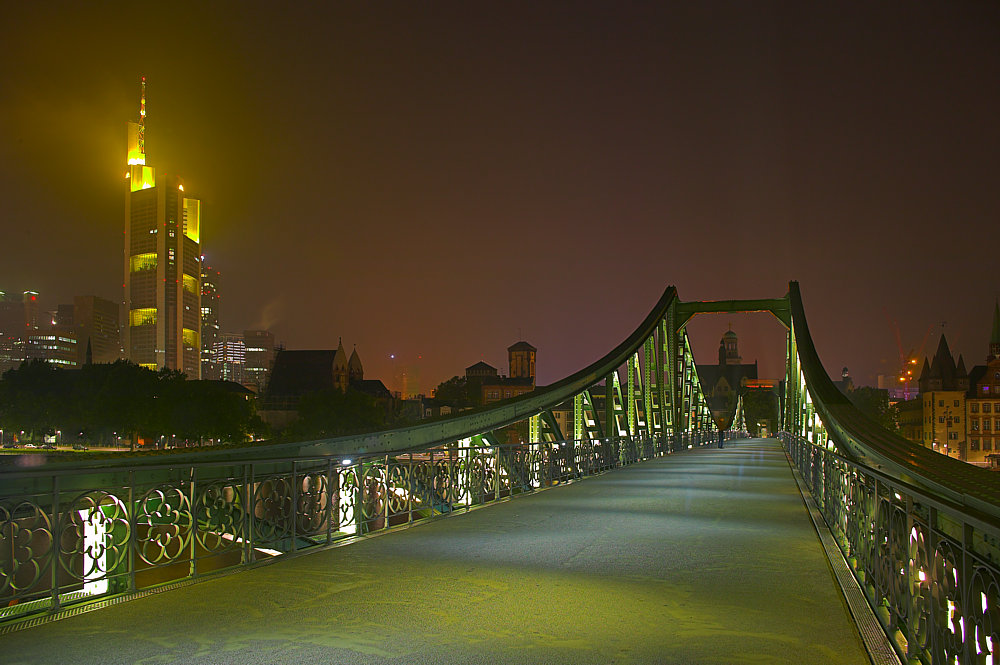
(703,557)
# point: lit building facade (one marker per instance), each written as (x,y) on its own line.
(162,264)
(58,347)
(521,366)
(230,353)
(983,403)
(259,362)
(18,319)
(211,284)
(943,388)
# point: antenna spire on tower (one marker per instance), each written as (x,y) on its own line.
(142,118)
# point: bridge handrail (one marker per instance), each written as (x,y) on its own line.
(882,450)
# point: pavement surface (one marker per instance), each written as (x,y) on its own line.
(706,556)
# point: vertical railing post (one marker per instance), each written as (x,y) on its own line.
(330,506)
(133,526)
(193,568)
(409,489)
(295,506)
(247,512)
(56,539)
(385,494)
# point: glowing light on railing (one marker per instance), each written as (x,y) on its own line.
(231,538)
(896,494)
(346,462)
(93,543)
(983,596)
(921,576)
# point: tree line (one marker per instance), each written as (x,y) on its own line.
(100,403)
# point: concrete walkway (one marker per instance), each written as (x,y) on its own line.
(707,556)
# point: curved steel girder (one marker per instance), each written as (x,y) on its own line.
(860,437)
(424,434)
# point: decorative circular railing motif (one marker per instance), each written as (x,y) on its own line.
(27,540)
(947,602)
(94,536)
(164,525)
(220,511)
(313,510)
(983,631)
(273,509)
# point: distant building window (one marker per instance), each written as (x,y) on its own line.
(975,425)
(940,402)
(986,444)
(956,403)
(986,407)
(958,419)
(973,408)
(974,444)
(986,424)
(941,419)
(953,435)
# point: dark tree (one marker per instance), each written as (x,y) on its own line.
(760,406)
(329,413)
(459,392)
(874,403)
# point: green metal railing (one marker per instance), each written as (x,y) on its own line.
(919,530)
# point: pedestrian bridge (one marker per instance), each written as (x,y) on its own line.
(630,539)
(707,556)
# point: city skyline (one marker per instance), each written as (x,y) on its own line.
(443,182)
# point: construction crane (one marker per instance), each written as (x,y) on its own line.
(909,363)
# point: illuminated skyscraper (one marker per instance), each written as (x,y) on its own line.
(211,281)
(230,353)
(162,263)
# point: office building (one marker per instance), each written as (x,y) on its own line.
(259,361)
(230,353)
(162,263)
(57,346)
(211,282)
(96,323)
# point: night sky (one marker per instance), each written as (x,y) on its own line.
(438,179)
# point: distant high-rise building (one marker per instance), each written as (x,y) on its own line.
(162,263)
(12,319)
(230,352)
(16,319)
(96,323)
(259,361)
(56,346)
(30,299)
(211,281)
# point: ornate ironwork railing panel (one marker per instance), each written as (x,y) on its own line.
(127,531)
(929,568)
